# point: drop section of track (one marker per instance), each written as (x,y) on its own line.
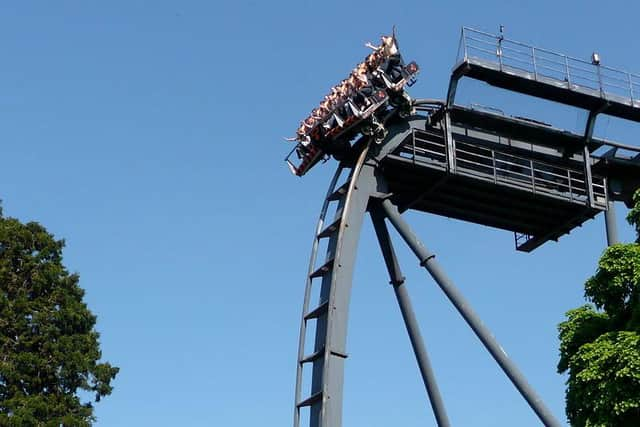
(325,316)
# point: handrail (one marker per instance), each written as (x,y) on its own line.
(544,63)
(506,168)
(602,142)
(539,49)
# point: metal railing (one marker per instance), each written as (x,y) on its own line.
(537,176)
(521,238)
(544,64)
(503,168)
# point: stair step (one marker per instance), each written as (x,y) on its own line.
(330,229)
(313,356)
(314,398)
(318,311)
(339,192)
(326,267)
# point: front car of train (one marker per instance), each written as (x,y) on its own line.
(357,105)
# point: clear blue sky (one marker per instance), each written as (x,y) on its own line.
(148,135)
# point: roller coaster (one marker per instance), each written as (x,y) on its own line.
(397,153)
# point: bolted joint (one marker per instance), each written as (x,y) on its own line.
(397,281)
(424,262)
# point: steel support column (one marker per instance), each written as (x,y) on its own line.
(451,143)
(409,317)
(588,179)
(588,135)
(427,260)
(611,224)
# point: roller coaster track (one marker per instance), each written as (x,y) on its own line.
(320,368)
(329,315)
(327,319)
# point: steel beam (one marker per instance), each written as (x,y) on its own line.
(427,260)
(611,224)
(588,179)
(409,317)
(451,143)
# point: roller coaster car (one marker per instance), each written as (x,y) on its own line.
(355,115)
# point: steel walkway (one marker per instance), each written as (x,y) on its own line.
(546,74)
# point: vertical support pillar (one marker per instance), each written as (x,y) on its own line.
(450,143)
(610,224)
(409,317)
(588,134)
(610,220)
(451,92)
(588,180)
(451,95)
(427,260)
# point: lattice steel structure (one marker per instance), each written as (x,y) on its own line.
(511,173)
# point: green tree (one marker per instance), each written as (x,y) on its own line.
(634,215)
(49,350)
(600,342)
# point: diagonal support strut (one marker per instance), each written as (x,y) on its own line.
(408,315)
(427,260)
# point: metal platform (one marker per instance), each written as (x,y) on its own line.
(620,163)
(545,74)
(473,178)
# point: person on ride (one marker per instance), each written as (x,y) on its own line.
(374,59)
(301,135)
(301,132)
(342,95)
(309,123)
(324,108)
(317,115)
(388,46)
(376,63)
(336,96)
(364,88)
(329,105)
(392,65)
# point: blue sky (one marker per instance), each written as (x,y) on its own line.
(148,135)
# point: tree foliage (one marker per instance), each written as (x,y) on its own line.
(600,343)
(49,350)
(634,214)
